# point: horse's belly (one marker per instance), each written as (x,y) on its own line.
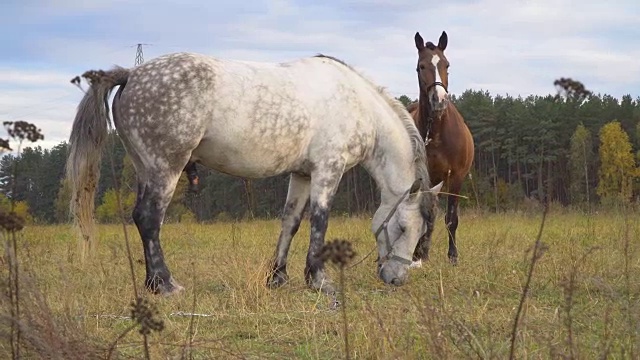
(251,160)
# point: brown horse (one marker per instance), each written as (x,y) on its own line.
(449,143)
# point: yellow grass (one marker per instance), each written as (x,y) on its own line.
(465,311)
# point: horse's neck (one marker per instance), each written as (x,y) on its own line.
(426,123)
(392,166)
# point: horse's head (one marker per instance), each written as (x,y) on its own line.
(397,233)
(433,76)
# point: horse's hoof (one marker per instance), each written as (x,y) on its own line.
(324,286)
(168,288)
(277,280)
(453,260)
(416,264)
(327,289)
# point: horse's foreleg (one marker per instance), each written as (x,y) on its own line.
(451,221)
(297,200)
(324,183)
(151,205)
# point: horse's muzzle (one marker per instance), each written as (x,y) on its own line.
(393,273)
(438,104)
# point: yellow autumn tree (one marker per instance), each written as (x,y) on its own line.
(617,164)
(108,211)
(21,208)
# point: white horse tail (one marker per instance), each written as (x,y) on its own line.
(89,132)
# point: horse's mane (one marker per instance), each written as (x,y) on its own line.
(416,140)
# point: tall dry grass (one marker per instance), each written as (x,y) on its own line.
(582,300)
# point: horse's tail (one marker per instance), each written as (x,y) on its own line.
(88,135)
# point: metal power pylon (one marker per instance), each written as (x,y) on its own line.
(139,54)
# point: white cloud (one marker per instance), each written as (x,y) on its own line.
(515,47)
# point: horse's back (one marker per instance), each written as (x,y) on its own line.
(160,111)
(247,118)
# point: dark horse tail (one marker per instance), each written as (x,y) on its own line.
(88,135)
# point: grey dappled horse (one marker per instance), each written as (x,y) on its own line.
(314,118)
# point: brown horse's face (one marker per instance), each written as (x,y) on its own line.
(433,76)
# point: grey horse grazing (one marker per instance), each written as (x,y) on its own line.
(314,118)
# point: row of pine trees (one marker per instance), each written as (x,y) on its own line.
(572,151)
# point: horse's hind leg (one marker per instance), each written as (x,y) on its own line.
(192,176)
(153,198)
(297,200)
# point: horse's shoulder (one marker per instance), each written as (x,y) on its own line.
(453,111)
(412,107)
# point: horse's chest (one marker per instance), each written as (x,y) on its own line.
(436,159)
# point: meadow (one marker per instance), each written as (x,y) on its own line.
(582,300)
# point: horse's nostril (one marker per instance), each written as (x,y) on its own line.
(396,282)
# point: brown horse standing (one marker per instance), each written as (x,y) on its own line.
(449,142)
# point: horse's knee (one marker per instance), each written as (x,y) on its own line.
(142,214)
(138,214)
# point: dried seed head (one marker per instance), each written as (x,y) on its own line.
(338,251)
(11,221)
(4,145)
(569,88)
(145,314)
(23,130)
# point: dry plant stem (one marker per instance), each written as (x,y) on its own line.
(344,315)
(441,290)
(146,347)
(13,296)
(189,344)
(473,341)
(569,292)
(537,253)
(126,241)
(124,225)
(607,341)
(115,342)
(380,323)
(14,283)
(627,279)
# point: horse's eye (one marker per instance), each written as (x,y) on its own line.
(421,67)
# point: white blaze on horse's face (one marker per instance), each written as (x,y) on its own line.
(438,94)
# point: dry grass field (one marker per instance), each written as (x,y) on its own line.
(583,299)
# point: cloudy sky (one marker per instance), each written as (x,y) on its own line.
(516,47)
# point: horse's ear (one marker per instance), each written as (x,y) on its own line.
(442,43)
(419,41)
(436,189)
